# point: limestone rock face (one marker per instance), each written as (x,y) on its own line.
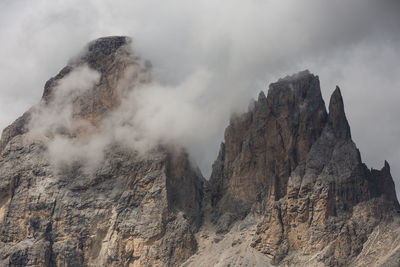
(134,209)
(264,146)
(119,216)
(298,169)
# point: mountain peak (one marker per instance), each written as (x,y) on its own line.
(108,45)
(283,126)
(153,198)
(337,117)
(296,76)
(298,92)
(118,69)
(261,96)
(281,160)
(102,51)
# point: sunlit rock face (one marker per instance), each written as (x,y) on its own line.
(287,188)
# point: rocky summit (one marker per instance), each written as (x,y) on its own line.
(288,187)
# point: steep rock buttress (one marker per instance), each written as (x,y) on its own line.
(296,166)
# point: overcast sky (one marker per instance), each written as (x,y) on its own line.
(238,47)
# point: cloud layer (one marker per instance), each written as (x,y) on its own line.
(211,57)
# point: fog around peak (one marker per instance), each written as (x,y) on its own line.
(210,58)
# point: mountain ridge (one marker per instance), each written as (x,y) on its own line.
(288,186)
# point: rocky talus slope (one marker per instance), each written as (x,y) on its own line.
(288,187)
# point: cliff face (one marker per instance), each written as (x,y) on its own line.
(287,188)
(297,167)
(263,146)
(134,209)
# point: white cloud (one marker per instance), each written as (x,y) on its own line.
(57,116)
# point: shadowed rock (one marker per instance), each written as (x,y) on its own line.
(297,167)
(337,118)
(263,146)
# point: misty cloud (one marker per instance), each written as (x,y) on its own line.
(149,114)
(57,116)
(55,120)
(210,58)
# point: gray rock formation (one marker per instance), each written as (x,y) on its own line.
(263,146)
(288,187)
(298,169)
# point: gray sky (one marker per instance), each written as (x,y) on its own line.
(214,56)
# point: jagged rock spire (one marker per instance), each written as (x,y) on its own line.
(291,162)
(263,146)
(261,96)
(337,118)
(101,52)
